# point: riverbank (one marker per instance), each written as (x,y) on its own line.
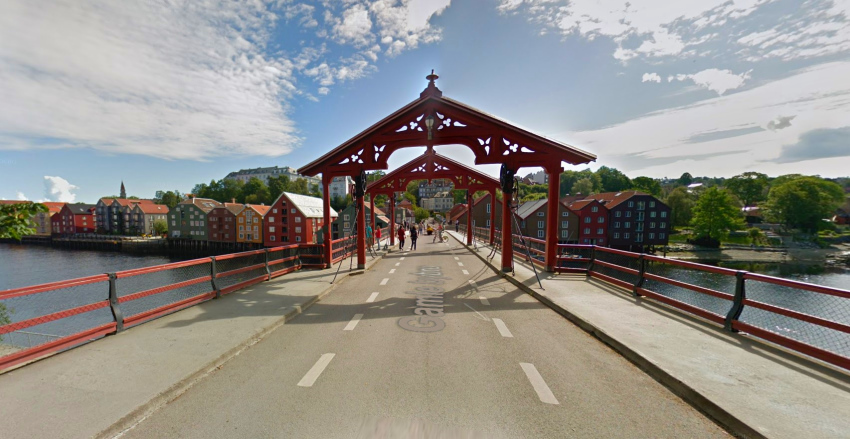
(837,255)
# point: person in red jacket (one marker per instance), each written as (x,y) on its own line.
(401,237)
(378,236)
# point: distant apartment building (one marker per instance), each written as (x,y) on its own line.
(143,216)
(637,220)
(440,202)
(75,218)
(340,186)
(429,190)
(244,175)
(593,220)
(539,177)
(222,222)
(344,224)
(534,215)
(294,219)
(188,220)
(113,215)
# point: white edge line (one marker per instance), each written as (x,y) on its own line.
(353,323)
(543,392)
(316,370)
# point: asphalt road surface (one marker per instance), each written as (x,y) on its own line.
(428,343)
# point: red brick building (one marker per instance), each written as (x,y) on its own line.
(593,222)
(75,218)
(294,219)
(637,219)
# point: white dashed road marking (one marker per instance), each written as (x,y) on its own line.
(392,271)
(539,385)
(465,272)
(397,264)
(401,259)
(457,258)
(372,297)
(384,282)
(472,282)
(350,326)
(460,264)
(316,370)
(484,300)
(502,328)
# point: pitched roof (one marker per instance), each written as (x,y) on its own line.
(481,198)
(81,209)
(378,210)
(529,207)
(234,208)
(580,204)
(612,199)
(259,208)
(53,206)
(204,204)
(126,201)
(310,207)
(148,208)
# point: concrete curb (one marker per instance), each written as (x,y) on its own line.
(138,415)
(718,414)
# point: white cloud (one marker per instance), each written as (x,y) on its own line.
(355,27)
(20,196)
(719,81)
(651,77)
(178,80)
(58,189)
(324,90)
(818,97)
(780,123)
(407,25)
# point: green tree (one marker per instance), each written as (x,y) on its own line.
(255,191)
(160,227)
(16,220)
(681,204)
(277,186)
(420,214)
(300,186)
(647,185)
(570,178)
(459,196)
(749,187)
(715,214)
(686,179)
(583,186)
(339,203)
(803,202)
(613,180)
(169,198)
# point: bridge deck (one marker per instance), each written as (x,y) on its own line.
(503,365)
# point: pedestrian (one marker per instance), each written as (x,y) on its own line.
(437,232)
(369,235)
(401,237)
(378,237)
(414,234)
(457,225)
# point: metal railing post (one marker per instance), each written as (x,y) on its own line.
(213,274)
(113,303)
(592,259)
(641,279)
(737,302)
(268,272)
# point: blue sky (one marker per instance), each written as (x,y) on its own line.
(163,95)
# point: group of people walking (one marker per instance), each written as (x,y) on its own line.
(403,229)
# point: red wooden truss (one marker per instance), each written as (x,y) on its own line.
(437,120)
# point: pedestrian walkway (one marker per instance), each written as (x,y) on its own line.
(741,382)
(107,384)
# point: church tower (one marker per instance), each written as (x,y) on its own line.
(123,191)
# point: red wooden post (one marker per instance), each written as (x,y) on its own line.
(372,220)
(392,220)
(507,239)
(492,216)
(326,201)
(552,217)
(361,233)
(469,231)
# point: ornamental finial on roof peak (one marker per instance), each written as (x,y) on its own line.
(432,89)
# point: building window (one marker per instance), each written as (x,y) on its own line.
(488,223)
(663,225)
(298,230)
(345,217)
(241,228)
(488,207)
(651,225)
(616,236)
(540,224)
(256,219)
(652,214)
(641,205)
(297,239)
(539,233)
(272,238)
(600,220)
(274,210)
(626,235)
(271,229)
(631,204)
(652,236)
(594,209)
(587,220)
(297,219)
(271,219)
(241,236)
(587,230)
(639,237)
(618,214)
(652,204)
(661,235)
(628,225)
(565,214)
(202,223)
(540,213)
(293,210)
(241,220)
(617,225)
(565,224)
(663,214)
(629,214)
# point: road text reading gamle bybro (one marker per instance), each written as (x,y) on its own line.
(429,301)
